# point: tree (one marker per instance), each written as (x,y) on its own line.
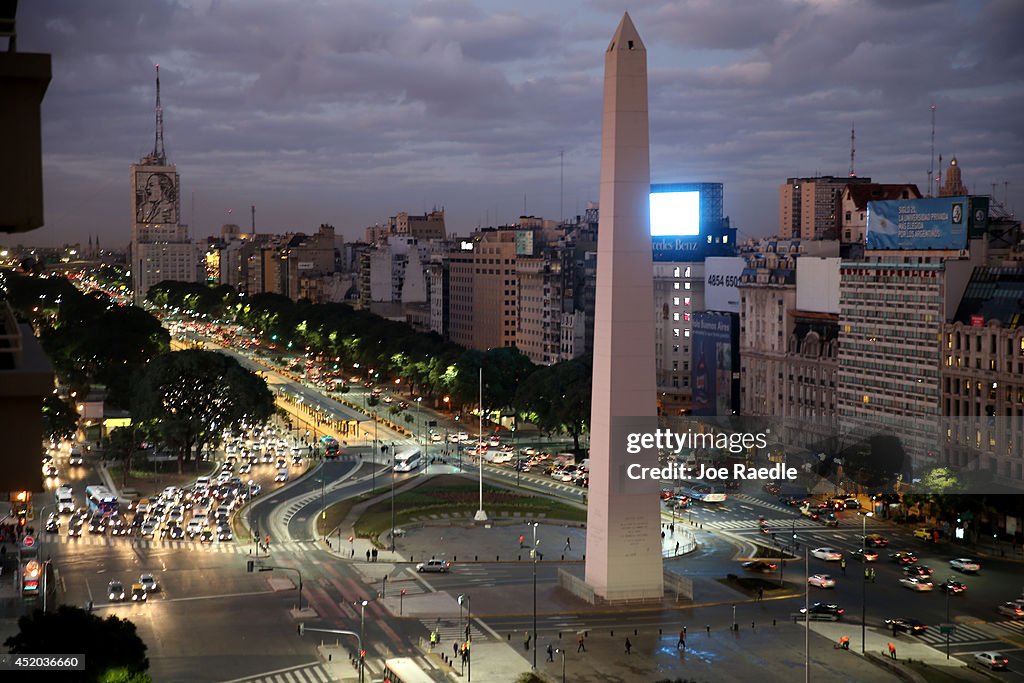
(60,419)
(194,395)
(939,481)
(105,644)
(557,397)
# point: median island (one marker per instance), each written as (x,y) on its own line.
(454,498)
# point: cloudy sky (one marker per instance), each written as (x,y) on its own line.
(349,111)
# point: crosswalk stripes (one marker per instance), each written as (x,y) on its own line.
(743,497)
(1010,625)
(314,672)
(159,544)
(962,634)
(775,524)
(452,630)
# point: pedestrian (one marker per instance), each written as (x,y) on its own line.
(526,640)
(760,594)
(677,547)
(367,554)
(682,640)
(581,646)
(551,653)
(842,565)
(708,627)
(629,646)
(892,650)
(374,555)
(455,649)
(433,639)
(663,535)
(568,544)
(467,631)
(521,539)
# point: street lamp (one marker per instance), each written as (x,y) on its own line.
(562,652)
(533,552)
(864,580)
(807,610)
(362,627)
(481,516)
(392,509)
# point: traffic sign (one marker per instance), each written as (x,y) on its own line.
(947,628)
(28,541)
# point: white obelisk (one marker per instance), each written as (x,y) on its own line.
(623,517)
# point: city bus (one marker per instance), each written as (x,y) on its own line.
(702,491)
(101,499)
(332,449)
(407,460)
(404,670)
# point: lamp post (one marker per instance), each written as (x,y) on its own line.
(533,552)
(373,465)
(946,628)
(323,508)
(392,509)
(481,516)
(562,652)
(362,630)
(864,581)
(359,640)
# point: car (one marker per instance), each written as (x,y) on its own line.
(919,570)
(761,566)
(953,586)
(118,527)
(174,533)
(50,471)
(282,476)
(246,468)
(139,593)
(1014,610)
(864,555)
(441,566)
(267,458)
(772,488)
(993,660)
(821,581)
(148,529)
(74,528)
(98,525)
(904,558)
(876,541)
(76,460)
(115,591)
(912,626)
(224,533)
(821,611)
(827,554)
(915,583)
(52,524)
(206,536)
(963,564)
(852,504)
(297,460)
(924,534)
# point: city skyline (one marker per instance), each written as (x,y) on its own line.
(349,114)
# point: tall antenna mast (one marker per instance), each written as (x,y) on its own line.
(158,139)
(853,140)
(938,178)
(931,165)
(561,186)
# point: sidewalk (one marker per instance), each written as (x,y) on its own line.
(907,647)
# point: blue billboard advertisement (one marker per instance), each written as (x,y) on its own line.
(714,373)
(932,223)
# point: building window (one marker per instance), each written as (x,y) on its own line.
(686,273)
(675,272)
(675,332)
(686,301)
(675,301)
(675,317)
(686,332)
(865,399)
(686,285)
(675,285)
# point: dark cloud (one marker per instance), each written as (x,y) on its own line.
(350,112)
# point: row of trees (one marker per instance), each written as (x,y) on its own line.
(555,398)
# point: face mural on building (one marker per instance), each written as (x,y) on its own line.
(156,198)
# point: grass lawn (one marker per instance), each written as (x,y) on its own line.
(335,514)
(458,496)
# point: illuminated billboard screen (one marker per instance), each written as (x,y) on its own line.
(675,214)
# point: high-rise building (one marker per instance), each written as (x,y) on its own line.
(809,207)
(483,290)
(160,246)
(982,376)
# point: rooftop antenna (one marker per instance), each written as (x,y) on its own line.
(931,165)
(158,139)
(561,185)
(253,224)
(938,178)
(853,148)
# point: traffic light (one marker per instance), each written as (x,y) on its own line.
(362,655)
(403,591)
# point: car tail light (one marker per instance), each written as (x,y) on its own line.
(840,611)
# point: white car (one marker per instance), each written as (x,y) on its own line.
(822,581)
(916,584)
(993,660)
(441,566)
(282,475)
(827,554)
(149,582)
(963,564)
